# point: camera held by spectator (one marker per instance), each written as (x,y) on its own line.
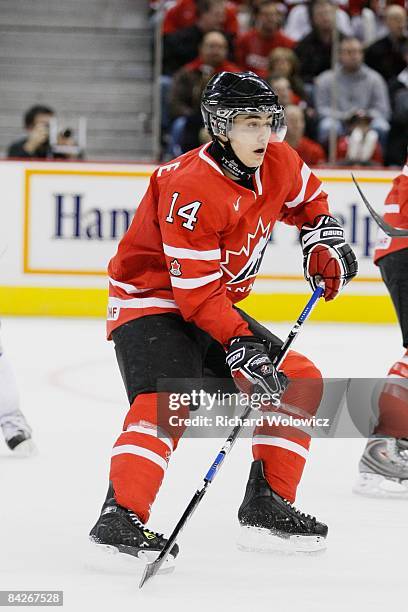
(361,145)
(45,139)
(66,142)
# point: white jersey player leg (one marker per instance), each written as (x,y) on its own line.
(384,469)
(16,431)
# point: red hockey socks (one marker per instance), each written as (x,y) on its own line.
(140,456)
(393,402)
(282,448)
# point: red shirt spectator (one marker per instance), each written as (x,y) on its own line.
(254,47)
(189,82)
(182,46)
(198,64)
(309,150)
(184,15)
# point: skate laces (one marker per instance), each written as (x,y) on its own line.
(303,515)
(135,519)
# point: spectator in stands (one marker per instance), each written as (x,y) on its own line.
(398,137)
(193,135)
(182,46)
(399,82)
(386,55)
(310,151)
(184,14)
(36,143)
(283,90)
(253,47)
(300,21)
(247,15)
(359,90)
(344,4)
(314,51)
(188,84)
(360,145)
(369,26)
(283,62)
(190,80)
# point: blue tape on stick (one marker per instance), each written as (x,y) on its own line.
(213,469)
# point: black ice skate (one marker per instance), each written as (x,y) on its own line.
(271,523)
(118,530)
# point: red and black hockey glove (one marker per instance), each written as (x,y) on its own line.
(252,370)
(326,256)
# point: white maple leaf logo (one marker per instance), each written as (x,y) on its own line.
(253,251)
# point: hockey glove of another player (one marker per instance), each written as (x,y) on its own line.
(326,256)
(252,370)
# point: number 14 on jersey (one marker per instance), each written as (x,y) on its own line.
(187,212)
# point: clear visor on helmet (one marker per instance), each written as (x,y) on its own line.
(257,128)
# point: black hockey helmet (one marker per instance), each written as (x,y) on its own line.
(229,94)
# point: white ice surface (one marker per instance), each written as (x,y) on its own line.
(72,395)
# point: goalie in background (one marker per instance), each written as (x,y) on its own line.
(383,468)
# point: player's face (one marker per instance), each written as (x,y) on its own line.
(249,137)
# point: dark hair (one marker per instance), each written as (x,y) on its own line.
(225,37)
(311,6)
(31,114)
(204,6)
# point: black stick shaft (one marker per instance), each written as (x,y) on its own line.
(388,229)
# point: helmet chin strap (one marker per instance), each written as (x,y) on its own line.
(225,156)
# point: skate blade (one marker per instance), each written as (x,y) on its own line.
(257,539)
(380,487)
(108,559)
(27,448)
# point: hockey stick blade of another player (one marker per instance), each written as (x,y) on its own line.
(386,227)
(152,568)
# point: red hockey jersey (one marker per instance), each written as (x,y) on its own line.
(197,239)
(396,214)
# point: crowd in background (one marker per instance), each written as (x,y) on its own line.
(364,100)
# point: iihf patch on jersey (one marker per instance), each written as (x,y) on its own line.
(113,313)
(175,268)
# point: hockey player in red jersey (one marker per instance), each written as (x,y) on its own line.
(383,468)
(193,251)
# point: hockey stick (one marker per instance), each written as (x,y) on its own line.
(386,227)
(152,568)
